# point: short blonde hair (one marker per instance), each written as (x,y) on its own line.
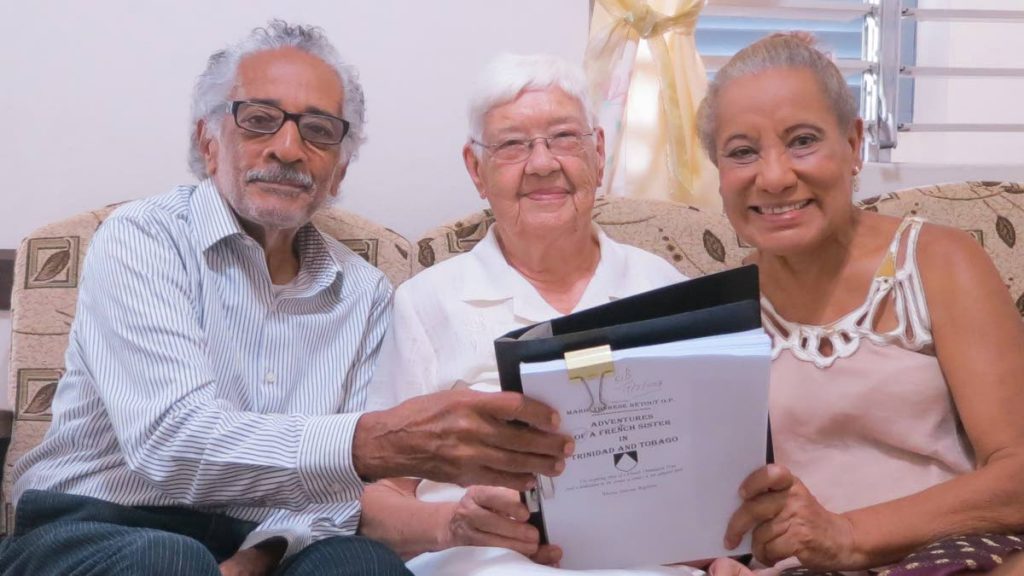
(784,50)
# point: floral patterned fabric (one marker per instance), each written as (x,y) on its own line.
(959,555)
(699,242)
(991,212)
(695,241)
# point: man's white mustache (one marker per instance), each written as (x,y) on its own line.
(280,175)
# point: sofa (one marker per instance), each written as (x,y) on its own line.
(697,242)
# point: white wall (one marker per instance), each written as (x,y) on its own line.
(95,98)
(95,95)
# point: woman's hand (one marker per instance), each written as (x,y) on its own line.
(494,516)
(787,521)
(728,567)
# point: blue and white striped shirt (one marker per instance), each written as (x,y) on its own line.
(190,383)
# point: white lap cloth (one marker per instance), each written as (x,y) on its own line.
(480,561)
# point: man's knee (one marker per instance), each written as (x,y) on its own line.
(104,549)
(163,554)
(345,556)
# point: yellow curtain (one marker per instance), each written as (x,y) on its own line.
(677,169)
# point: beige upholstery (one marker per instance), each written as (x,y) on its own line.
(992,212)
(699,242)
(384,248)
(45,293)
(696,242)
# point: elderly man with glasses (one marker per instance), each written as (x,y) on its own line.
(536,155)
(210,421)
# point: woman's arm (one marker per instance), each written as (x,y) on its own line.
(393,515)
(979,341)
(485,516)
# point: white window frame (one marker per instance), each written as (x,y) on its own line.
(888,58)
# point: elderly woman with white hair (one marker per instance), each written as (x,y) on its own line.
(537,156)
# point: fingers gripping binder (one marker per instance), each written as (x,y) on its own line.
(631,379)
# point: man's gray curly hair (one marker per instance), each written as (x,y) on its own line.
(210,96)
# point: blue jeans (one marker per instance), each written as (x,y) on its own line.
(64,534)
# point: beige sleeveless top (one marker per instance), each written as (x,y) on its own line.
(872,420)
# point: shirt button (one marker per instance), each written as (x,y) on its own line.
(338,488)
(270,377)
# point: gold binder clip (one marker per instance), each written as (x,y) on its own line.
(590,366)
(589,362)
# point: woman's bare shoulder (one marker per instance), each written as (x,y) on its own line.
(952,249)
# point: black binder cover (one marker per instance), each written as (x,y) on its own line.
(720,303)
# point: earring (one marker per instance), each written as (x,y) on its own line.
(856,170)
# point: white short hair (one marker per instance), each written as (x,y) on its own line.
(506,77)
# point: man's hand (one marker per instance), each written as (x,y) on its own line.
(255,561)
(493,516)
(464,437)
(788,521)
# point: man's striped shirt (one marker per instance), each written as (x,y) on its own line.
(190,382)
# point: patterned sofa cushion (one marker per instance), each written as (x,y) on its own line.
(694,241)
(384,248)
(45,294)
(992,212)
(699,242)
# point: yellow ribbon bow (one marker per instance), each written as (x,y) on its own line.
(683,81)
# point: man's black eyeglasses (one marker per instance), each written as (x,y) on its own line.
(268,119)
